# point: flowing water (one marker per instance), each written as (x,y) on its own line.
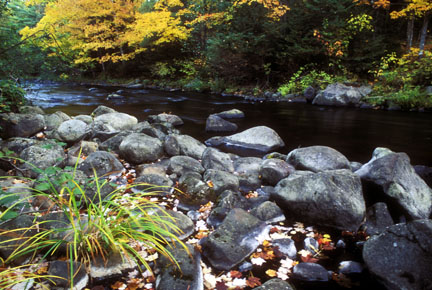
(352,131)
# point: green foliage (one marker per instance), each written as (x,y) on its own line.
(11,96)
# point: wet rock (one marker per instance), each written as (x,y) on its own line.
(139,148)
(62,270)
(317,158)
(286,247)
(274,170)
(231,114)
(330,198)
(310,272)
(114,122)
(189,276)
(72,131)
(20,125)
(234,240)
(217,124)
(169,118)
(181,164)
(101,110)
(378,219)
(338,94)
(401,257)
(256,141)
(248,171)
(311,245)
(402,188)
(184,145)
(214,159)
(221,180)
(102,162)
(227,201)
(350,267)
(269,212)
(41,155)
(275,284)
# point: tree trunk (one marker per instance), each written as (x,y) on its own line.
(423,33)
(410,33)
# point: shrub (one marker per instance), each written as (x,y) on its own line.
(11,96)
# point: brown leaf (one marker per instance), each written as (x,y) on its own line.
(117,285)
(309,259)
(221,286)
(236,274)
(253,282)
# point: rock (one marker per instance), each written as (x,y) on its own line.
(135,86)
(217,124)
(235,239)
(72,131)
(42,156)
(338,94)
(378,219)
(153,183)
(214,159)
(100,110)
(256,141)
(310,93)
(275,284)
(181,164)
(311,245)
(274,170)
(146,128)
(15,195)
(20,125)
(227,201)
(286,247)
(275,155)
(295,98)
(85,118)
(355,166)
(310,272)
(53,121)
(231,114)
(139,148)
(184,145)
(114,122)
(184,224)
(198,192)
(425,173)
(159,168)
(269,212)
(113,143)
(60,271)
(86,148)
(114,264)
(189,276)
(169,118)
(401,257)
(248,171)
(350,267)
(317,158)
(403,190)
(166,128)
(31,110)
(18,144)
(330,198)
(221,180)
(114,96)
(102,162)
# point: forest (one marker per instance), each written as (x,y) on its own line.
(223,46)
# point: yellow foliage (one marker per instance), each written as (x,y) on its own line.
(275,7)
(414,8)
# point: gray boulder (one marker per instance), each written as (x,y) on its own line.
(85,118)
(101,110)
(269,212)
(42,156)
(168,118)
(225,203)
(221,180)
(310,272)
(275,284)
(287,247)
(274,170)
(20,125)
(113,143)
(338,94)
(31,110)
(196,191)
(181,164)
(248,171)
(231,114)
(184,145)
(401,257)
(54,120)
(256,141)
(139,148)
(72,130)
(393,174)
(317,158)
(330,198)
(217,124)
(234,240)
(102,162)
(214,159)
(155,183)
(146,128)
(378,218)
(18,144)
(114,122)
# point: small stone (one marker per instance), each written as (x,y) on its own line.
(310,272)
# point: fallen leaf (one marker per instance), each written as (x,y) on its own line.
(253,282)
(271,273)
(221,286)
(236,274)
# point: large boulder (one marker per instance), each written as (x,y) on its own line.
(168,118)
(221,180)
(248,171)
(256,141)
(338,94)
(72,130)
(226,201)
(41,156)
(20,125)
(181,164)
(235,239)
(184,145)
(317,158)
(101,110)
(102,162)
(274,170)
(139,148)
(331,198)
(217,124)
(114,122)
(212,158)
(398,182)
(54,120)
(401,257)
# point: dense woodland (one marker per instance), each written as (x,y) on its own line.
(260,45)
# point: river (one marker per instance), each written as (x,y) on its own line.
(352,131)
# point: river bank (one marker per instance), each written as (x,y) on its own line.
(310,217)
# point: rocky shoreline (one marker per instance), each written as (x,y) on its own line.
(250,215)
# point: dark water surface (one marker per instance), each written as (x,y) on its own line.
(354,132)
